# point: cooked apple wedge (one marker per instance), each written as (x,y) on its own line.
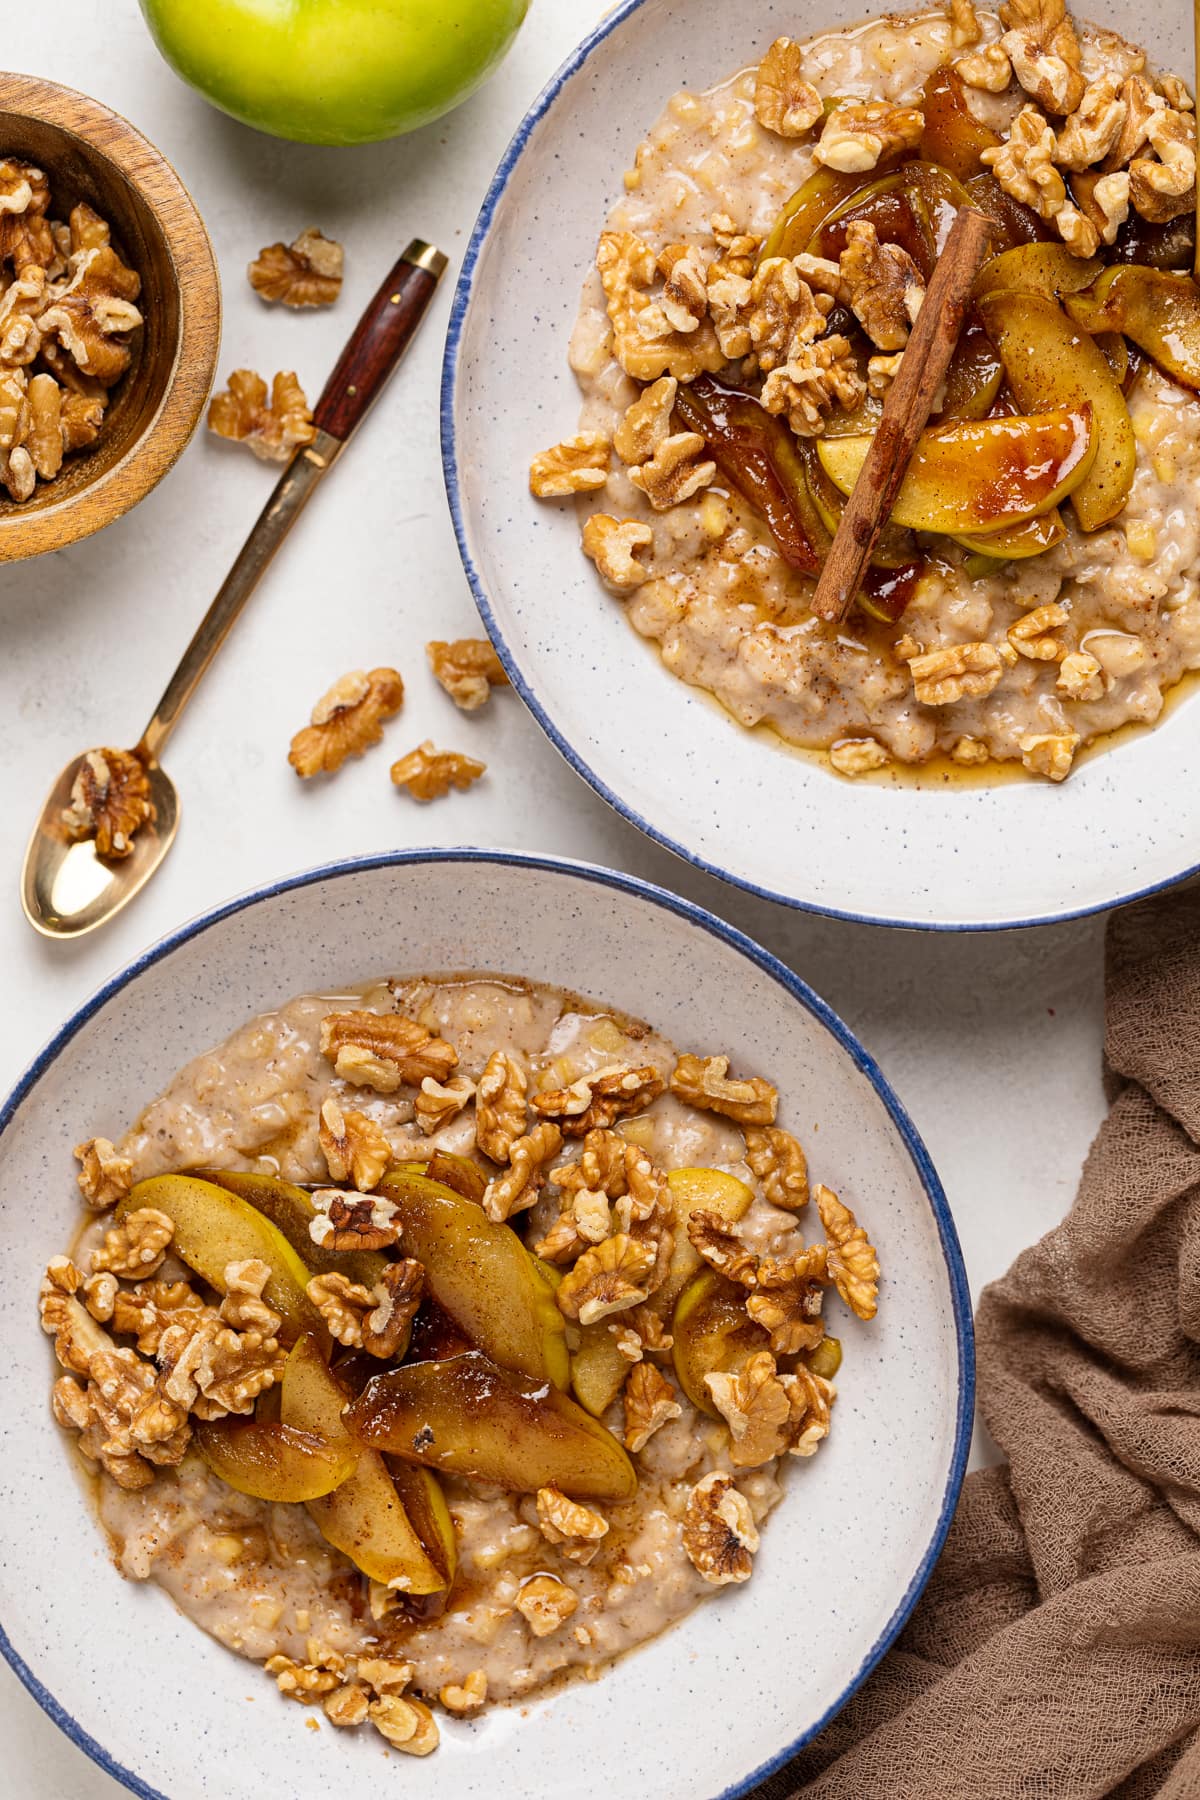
(981,474)
(598,1369)
(291,1211)
(1160,311)
(214,1227)
(713,1335)
(365,1517)
(483,1276)
(1029,539)
(457,1172)
(274,1461)
(808,208)
(469,1417)
(1052,362)
(1047,269)
(953,136)
(713,1191)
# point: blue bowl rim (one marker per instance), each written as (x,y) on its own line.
(770,965)
(450,468)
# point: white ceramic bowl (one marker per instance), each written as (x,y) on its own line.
(745,1679)
(1127,822)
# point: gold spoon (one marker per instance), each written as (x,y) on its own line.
(66,887)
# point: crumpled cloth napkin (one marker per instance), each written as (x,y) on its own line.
(1055,1654)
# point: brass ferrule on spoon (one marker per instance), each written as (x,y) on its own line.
(66,889)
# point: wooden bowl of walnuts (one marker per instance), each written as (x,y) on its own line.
(110,314)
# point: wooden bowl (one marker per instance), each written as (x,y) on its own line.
(93,154)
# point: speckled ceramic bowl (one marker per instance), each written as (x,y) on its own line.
(750,1675)
(744,807)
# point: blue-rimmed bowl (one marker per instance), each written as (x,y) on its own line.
(740,805)
(749,1676)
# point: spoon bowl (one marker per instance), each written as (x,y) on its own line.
(66,889)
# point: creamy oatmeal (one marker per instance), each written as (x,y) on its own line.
(1036,587)
(438,1341)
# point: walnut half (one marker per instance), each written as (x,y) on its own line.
(719,1533)
(429,774)
(346,721)
(468,669)
(307,272)
(272,428)
(110,801)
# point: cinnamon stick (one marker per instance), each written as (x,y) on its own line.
(905,412)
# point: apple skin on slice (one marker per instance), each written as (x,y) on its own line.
(272,1461)
(1159,310)
(481,1274)
(982,475)
(953,136)
(469,1417)
(598,1369)
(710,1190)
(1047,269)
(214,1228)
(1027,539)
(291,1211)
(713,1335)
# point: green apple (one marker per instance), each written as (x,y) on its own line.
(334,71)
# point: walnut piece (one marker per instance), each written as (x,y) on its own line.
(429,774)
(375,1320)
(959,671)
(818,377)
(564,1521)
(788,1297)
(1103,203)
(716,1240)
(1024,164)
(783,313)
(384,1051)
(545,1603)
(883,285)
(784,101)
(469,1696)
(273,429)
(964,23)
(104,1176)
(523,1180)
(468,669)
(500,1109)
(649,1403)
(354,1147)
(613,545)
(110,801)
(755,1406)
(92,314)
(352,1221)
(346,721)
(862,133)
(647,423)
(598,1101)
(347,1706)
(1093,129)
(1080,677)
(704,1082)
(608,1278)
(684,298)
(1166,189)
(1042,46)
(147,1309)
(406,1723)
(1033,635)
(811,1398)
(577,466)
(1049,753)
(778,1160)
(988,69)
(137,1246)
(852,1262)
(437,1104)
(719,1533)
(645,342)
(306,272)
(302,1681)
(676,472)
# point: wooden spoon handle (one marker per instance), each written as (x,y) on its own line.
(379,340)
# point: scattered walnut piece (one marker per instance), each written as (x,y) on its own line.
(104,1176)
(649,1403)
(384,1675)
(467,1698)
(243,1306)
(958,671)
(788,1297)
(523,1180)
(352,1221)
(783,313)
(1049,753)
(303,1681)
(647,423)
(853,1264)
(1024,164)
(407,1724)
(564,1521)
(783,100)
(646,344)
(883,284)
(1166,189)
(988,69)
(545,1603)
(818,377)
(384,1051)
(438,1103)
(110,801)
(1080,677)
(1093,129)
(146,1310)
(598,1101)
(500,1108)
(137,1246)
(676,472)
(608,1278)
(969,752)
(862,133)
(307,272)
(719,1533)
(577,466)
(346,721)
(272,429)
(1042,46)
(755,1406)
(716,1240)
(810,1398)
(347,1706)
(613,545)
(964,23)
(342,1304)
(354,1147)
(858,756)
(44,440)
(468,669)
(1033,635)
(704,1083)
(684,298)
(429,774)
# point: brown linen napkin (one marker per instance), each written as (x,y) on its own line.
(1055,1654)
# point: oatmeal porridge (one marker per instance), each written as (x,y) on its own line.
(437,1341)
(1036,585)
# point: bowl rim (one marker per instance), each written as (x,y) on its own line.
(109,136)
(636,888)
(463,295)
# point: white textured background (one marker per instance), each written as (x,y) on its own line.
(993,1042)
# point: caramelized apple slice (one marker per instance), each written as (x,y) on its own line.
(483,1276)
(953,136)
(469,1417)
(808,208)
(981,474)
(291,1211)
(458,1173)
(974,376)
(1014,222)
(1158,310)
(214,1228)
(364,1517)
(1048,269)
(712,1191)
(598,1369)
(274,1461)
(1052,362)
(713,1335)
(1029,539)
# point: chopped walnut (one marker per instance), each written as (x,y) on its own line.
(778,1160)
(704,1083)
(22,308)
(788,1298)
(104,1177)
(146,1310)
(1093,129)
(575,467)
(384,1051)
(677,471)
(862,133)
(306,272)
(959,671)
(343,1304)
(467,1698)
(964,23)
(124,1424)
(784,101)
(243,1306)
(1042,46)
(523,1180)
(1080,677)
(1049,753)
(738,248)
(684,298)
(1166,189)
(569,1522)
(716,1240)
(44,441)
(92,314)
(969,752)
(346,721)
(407,1724)
(988,69)
(429,774)
(14,407)
(1175,93)
(545,1603)
(817,378)
(372,1320)
(644,342)
(347,1706)
(719,1534)
(354,1146)
(110,801)
(500,1108)
(1104,204)
(782,313)
(1024,164)
(302,1681)
(810,1398)
(353,1221)
(210,1369)
(614,1169)
(17,473)
(853,1264)
(608,1278)
(754,1404)
(649,1404)
(384,1675)
(613,545)
(438,1103)
(598,1101)
(272,429)
(77,1336)
(884,286)
(81,419)
(647,423)
(468,669)
(1141,104)
(1033,635)
(137,1246)
(881,372)
(100,1295)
